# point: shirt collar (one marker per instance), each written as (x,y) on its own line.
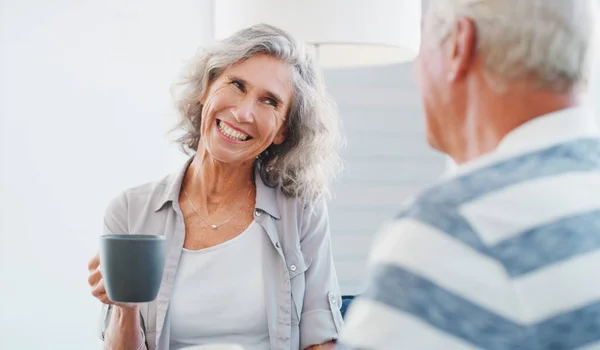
(544,131)
(553,128)
(266,196)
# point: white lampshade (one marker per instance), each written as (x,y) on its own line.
(345,33)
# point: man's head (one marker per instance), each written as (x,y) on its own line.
(487,52)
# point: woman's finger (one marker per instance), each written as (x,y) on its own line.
(94,263)
(98,289)
(94,277)
(104,298)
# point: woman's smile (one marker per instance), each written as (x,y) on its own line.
(231,133)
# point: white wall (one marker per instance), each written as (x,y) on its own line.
(84,106)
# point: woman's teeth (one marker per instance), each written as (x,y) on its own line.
(232,134)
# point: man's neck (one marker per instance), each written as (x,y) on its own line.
(488,120)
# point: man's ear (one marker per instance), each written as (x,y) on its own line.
(464,47)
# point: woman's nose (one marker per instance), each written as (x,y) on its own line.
(244,113)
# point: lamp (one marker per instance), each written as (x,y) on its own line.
(345,33)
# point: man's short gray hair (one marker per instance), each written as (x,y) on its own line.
(308,160)
(546,41)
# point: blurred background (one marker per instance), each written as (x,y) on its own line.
(84,112)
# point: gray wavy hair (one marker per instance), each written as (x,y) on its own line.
(550,41)
(306,163)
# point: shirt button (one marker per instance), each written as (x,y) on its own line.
(277,245)
(293,267)
(332,299)
(257,213)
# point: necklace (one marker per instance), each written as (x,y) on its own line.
(214,226)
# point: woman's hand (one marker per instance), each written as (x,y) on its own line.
(96,282)
(123,331)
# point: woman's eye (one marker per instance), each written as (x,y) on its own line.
(271,102)
(238,85)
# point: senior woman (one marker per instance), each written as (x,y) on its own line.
(249,254)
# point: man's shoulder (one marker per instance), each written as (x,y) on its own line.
(498,174)
(505,199)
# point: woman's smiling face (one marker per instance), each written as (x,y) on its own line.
(244,109)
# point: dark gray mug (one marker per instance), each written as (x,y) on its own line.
(132,266)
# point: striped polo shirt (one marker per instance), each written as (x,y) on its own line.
(503,254)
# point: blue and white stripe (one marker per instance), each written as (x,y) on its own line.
(503,257)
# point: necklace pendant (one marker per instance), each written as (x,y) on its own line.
(214,226)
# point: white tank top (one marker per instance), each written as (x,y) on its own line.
(218,294)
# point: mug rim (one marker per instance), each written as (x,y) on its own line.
(132,237)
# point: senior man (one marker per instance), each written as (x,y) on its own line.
(504,253)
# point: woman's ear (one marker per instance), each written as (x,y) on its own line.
(281,136)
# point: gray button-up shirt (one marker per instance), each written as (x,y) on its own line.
(302,291)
